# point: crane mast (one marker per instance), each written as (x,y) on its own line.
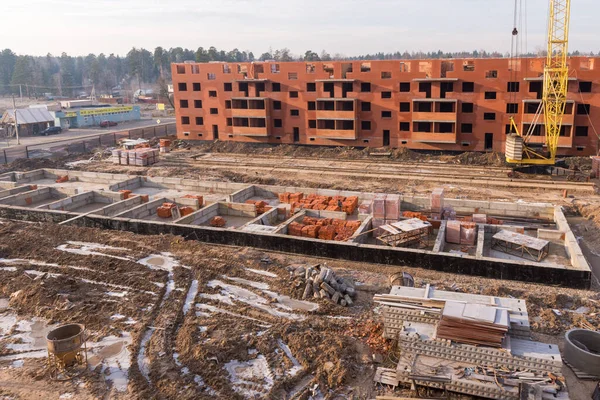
(554,98)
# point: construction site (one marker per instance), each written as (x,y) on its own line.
(426,263)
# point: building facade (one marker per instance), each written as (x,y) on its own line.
(446,104)
(92,116)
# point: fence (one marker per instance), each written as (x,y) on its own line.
(83,144)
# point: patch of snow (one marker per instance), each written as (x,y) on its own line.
(116,294)
(17,363)
(199,381)
(85,248)
(66,396)
(296,367)
(9,269)
(213,309)
(243,374)
(142,359)
(261,272)
(254,284)
(191,295)
(222,298)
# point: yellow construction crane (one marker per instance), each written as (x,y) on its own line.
(554,99)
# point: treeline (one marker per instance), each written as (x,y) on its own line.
(67,75)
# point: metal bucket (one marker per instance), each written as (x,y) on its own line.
(65,342)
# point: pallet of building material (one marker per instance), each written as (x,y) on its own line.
(386,376)
(453,232)
(379,206)
(473,324)
(437,200)
(480,218)
(468,233)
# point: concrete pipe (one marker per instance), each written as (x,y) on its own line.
(582,350)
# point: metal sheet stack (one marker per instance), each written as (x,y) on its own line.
(475,324)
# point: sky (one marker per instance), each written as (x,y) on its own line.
(348,27)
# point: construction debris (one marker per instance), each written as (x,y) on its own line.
(321,282)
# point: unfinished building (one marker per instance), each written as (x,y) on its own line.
(530,242)
(454,104)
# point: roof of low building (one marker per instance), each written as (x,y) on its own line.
(27,116)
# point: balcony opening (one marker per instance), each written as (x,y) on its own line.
(277,123)
(468,66)
(259,87)
(565,131)
(312,123)
(296,134)
(489,141)
(386,95)
(226,69)
(489,116)
(181,69)
(467,108)
(445,107)
(197,103)
(512,108)
(404,126)
(311,87)
(405,106)
(329,87)
(386,114)
(276,105)
(346,67)
(196,87)
(328,69)
(490,95)
(295,113)
(386,75)
(583,109)
(312,105)
(536,87)
(365,87)
(491,74)
(446,87)
(405,67)
(292,76)
(257,122)
(536,131)
(365,106)
(347,87)
(323,105)
(326,124)
(468,87)
(344,125)
(239,104)
(258,104)
(310,68)
(386,137)
(365,125)
(423,106)
(447,66)
(569,107)
(404,87)
(229,121)
(365,67)
(274,68)
(227,104)
(508,129)
(466,128)
(259,69)
(513,87)
(446,127)
(422,127)
(344,106)
(581,131)
(227,86)
(215,131)
(243,87)
(585,87)
(425,87)
(275,87)
(531,108)
(242,69)
(182,86)
(211,76)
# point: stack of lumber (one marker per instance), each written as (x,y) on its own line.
(475,324)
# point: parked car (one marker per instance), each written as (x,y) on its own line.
(106,123)
(53,130)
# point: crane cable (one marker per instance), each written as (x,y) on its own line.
(514,63)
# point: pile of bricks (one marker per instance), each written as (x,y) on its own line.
(166,210)
(321,282)
(217,222)
(139,157)
(315,202)
(62,179)
(186,210)
(324,228)
(261,206)
(413,214)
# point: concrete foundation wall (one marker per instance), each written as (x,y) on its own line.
(242,195)
(237,209)
(119,207)
(360,236)
(201,216)
(572,248)
(26,177)
(144,210)
(13,191)
(440,240)
(326,214)
(268,219)
(33,196)
(283,228)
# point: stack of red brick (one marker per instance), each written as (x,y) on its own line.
(261,206)
(166,210)
(316,202)
(217,221)
(413,214)
(324,228)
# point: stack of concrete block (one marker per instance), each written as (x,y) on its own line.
(116,156)
(321,282)
(140,157)
(392,207)
(453,232)
(437,202)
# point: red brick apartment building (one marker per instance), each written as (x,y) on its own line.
(453,104)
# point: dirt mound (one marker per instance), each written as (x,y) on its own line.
(493,159)
(579,163)
(35,163)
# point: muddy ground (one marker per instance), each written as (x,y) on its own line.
(176,319)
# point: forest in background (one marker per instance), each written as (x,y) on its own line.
(67,75)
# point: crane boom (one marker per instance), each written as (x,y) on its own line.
(555,85)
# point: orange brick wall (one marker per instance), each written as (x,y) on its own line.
(384,76)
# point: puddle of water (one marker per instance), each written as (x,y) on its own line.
(86,249)
(31,333)
(245,373)
(261,272)
(191,295)
(113,354)
(248,297)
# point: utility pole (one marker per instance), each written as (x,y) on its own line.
(16,123)
(20,92)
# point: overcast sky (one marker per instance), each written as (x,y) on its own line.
(349,27)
